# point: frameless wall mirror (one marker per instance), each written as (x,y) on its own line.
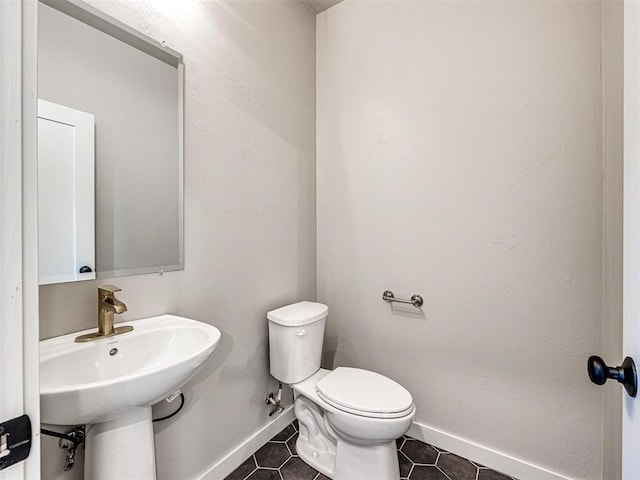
(110,147)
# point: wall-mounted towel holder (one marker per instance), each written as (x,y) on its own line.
(415,300)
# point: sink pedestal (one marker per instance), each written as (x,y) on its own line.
(121,449)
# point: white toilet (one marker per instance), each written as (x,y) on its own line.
(349,418)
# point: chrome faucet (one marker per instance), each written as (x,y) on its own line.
(108,305)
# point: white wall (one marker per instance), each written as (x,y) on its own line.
(459,157)
(249,212)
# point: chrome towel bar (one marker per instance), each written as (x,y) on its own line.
(389,297)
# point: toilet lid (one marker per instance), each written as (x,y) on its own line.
(364,393)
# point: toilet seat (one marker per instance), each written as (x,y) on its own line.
(364,393)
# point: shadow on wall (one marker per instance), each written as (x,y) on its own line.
(408,311)
(335,353)
(217,358)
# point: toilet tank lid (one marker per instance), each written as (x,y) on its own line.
(301,313)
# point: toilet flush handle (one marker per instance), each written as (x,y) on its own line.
(301,333)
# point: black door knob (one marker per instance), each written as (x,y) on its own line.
(85,269)
(625,374)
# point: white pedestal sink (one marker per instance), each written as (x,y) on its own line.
(110,384)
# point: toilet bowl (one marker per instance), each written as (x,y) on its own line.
(349,418)
(344,443)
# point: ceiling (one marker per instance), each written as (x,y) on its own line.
(320,5)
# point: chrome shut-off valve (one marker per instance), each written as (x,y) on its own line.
(275,401)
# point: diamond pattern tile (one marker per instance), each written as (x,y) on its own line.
(278,460)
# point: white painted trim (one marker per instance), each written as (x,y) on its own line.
(631,252)
(11,348)
(234,459)
(486,456)
(18,228)
(30,287)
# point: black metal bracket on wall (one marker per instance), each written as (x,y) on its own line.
(15,441)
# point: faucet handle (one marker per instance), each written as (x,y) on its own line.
(108,289)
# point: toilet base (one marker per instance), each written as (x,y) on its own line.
(316,445)
(370,463)
(334,456)
(379,462)
(322,461)
(361,463)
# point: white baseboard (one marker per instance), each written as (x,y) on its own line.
(231,461)
(494,459)
(486,456)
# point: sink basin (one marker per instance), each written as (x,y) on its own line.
(103,380)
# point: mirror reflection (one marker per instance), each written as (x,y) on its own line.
(110,148)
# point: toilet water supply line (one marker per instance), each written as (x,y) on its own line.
(72,440)
(275,401)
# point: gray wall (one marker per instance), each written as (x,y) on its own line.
(249,213)
(134,98)
(507,248)
(459,157)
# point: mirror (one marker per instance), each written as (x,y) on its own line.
(110,147)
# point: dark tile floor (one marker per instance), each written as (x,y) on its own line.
(278,460)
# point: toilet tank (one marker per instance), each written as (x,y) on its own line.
(296,333)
